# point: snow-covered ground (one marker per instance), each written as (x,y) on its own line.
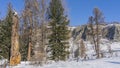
(98,63)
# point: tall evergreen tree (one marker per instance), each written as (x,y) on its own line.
(59,36)
(5,34)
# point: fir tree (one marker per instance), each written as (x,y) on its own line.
(5,34)
(58,39)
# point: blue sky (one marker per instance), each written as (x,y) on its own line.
(78,10)
(16,4)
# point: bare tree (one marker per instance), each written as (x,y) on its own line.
(28,24)
(34,17)
(110,50)
(94,23)
(98,18)
(82,49)
(77,53)
(92,33)
(41,38)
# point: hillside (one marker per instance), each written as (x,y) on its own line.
(109,37)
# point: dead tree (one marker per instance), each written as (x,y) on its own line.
(34,16)
(15,54)
(94,22)
(82,50)
(27,17)
(92,31)
(98,18)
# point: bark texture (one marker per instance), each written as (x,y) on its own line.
(15,57)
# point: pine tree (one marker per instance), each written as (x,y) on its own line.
(59,36)
(5,34)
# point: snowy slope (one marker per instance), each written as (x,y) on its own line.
(105,46)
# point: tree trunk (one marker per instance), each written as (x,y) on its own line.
(29,51)
(15,54)
(97,39)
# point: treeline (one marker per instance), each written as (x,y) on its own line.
(43,31)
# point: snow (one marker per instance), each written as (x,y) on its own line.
(109,25)
(71,28)
(98,63)
(2,61)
